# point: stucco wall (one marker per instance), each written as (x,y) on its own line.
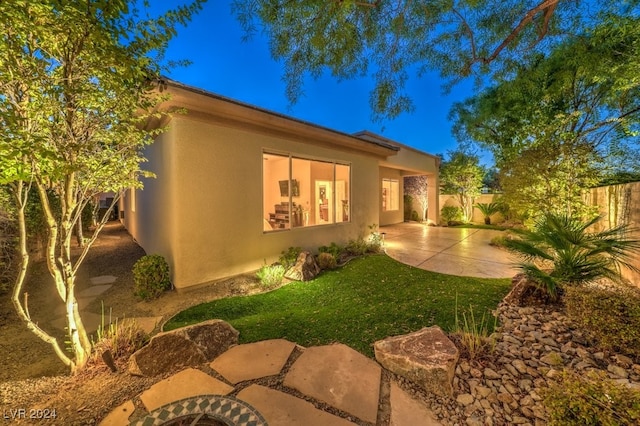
(204,212)
(478,217)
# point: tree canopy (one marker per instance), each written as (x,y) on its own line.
(462,175)
(459,38)
(75,91)
(564,121)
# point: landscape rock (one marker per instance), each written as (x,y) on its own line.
(306,268)
(426,357)
(186,346)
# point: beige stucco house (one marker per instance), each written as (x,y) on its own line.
(236,184)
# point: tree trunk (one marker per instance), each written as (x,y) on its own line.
(23,310)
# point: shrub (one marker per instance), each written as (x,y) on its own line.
(327,261)
(570,253)
(121,338)
(357,247)
(488,209)
(611,317)
(415,216)
(374,244)
(474,336)
(289,257)
(333,249)
(151,276)
(408,206)
(451,214)
(271,275)
(591,399)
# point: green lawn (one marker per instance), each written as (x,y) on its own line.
(368,299)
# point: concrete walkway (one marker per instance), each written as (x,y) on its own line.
(278,383)
(455,251)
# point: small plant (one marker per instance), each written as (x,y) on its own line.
(327,261)
(357,247)
(415,216)
(271,275)
(374,244)
(289,257)
(611,317)
(121,338)
(451,214)
(488,209)
(333,249)
(591,399)
(475,336)
(151,277)
(561,250)
(408,207)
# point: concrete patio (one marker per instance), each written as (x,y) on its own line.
(455,251)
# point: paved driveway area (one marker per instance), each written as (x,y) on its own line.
(455,251)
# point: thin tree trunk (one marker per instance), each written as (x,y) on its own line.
(21,194)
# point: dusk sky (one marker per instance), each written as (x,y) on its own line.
(223,63)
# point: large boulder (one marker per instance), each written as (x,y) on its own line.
(183,347)
(426,357)
(305,269)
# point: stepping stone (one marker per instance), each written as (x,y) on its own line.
(90,320)
(94,291)
(103,279)
(185,384)
(281,409)
(253,360)
(339,376)
(119,416)
(147,324)
(408,411)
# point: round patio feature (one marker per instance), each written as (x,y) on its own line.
(212,410)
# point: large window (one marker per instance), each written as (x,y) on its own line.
(390,195)
(301,192)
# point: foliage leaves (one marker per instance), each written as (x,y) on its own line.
(563,250)
(350,38)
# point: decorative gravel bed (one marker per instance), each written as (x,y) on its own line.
(534,344)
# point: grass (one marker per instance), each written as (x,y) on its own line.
(367,300)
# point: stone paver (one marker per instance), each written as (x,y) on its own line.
(339,376)
(93,291)
(407,411)
(185,384)
(253,360)
(103,279)
(281,409)
(120,415)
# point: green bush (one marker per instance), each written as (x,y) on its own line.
(151,277)
(451,214)
(612,318)
(289,257)
(271,275)
(563,250)
(327,261)
(357,247)
(591,399)
(415,216)
(333,249)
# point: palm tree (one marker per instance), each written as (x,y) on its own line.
(561,250)
(487,209)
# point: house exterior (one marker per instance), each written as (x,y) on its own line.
(235,185)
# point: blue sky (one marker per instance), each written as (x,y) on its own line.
(225,64)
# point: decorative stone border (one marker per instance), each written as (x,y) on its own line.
(226,409)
